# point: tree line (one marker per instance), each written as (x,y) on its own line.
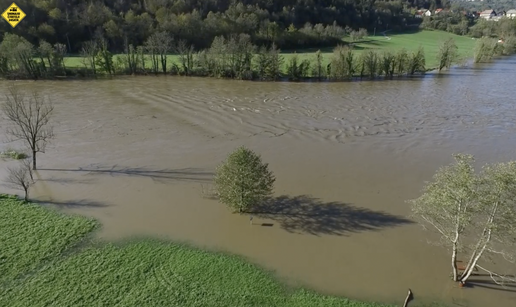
(286,23)
(233,57)
(463,23)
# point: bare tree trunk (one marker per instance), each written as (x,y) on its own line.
(34,160)
(468,273)
(26,194)
(454,248)
(472,265)
(409,297)
(454,261)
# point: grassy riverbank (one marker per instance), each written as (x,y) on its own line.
(429,40)
(38,268)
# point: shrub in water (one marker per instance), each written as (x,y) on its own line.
(243,180)
(13,154)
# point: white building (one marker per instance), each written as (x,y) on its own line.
(511,14)
(488,14)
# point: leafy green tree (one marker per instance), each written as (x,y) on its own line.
(18,54)
(388,64)
(372,63)
(473,213)
(485,49)
(318,69)
(509,45)
(342,63)
(296,70)
(416,62)
(401,62)
(447,53)
(243,180)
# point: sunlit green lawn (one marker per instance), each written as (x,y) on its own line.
(430,41)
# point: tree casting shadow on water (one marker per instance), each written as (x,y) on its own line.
(184,174)
(83,203)
(491,285)
(304,214)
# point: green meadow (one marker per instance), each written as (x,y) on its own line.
(48,259)
(430,41)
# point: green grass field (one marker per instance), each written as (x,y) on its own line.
(430,41)
(411,41)
(137,273)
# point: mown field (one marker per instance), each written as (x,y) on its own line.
(430,41)
(39,266)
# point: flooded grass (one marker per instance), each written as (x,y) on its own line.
(136,273)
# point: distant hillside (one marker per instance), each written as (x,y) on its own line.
(122,22)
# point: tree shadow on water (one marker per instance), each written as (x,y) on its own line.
(304,214)
(491,285)
(82,203)
(66,181)
(160,175)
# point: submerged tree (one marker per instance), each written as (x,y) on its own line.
(243,180)
(447,53)
(473,213)
(30,118)
(20,177)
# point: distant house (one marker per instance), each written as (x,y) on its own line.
(511,14)
(438,11)
(487,14)
(421,13)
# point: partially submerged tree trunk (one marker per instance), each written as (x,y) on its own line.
(409,298)
(20,178)
(30,119)
(34,160)
(481,208)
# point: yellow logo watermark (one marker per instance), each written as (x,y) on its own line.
(13,15)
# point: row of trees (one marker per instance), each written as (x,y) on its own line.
(73,22)
(228,57)
(487,48)
(458,23)
(233,57)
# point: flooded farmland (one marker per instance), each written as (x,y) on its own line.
(138,154)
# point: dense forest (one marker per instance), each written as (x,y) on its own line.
(286,23)
(497,5)
(231,39)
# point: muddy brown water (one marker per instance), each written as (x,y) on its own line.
(138,153)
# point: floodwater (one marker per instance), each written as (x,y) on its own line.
(138,153)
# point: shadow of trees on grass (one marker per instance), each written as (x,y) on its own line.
(160,175)
(304,214)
